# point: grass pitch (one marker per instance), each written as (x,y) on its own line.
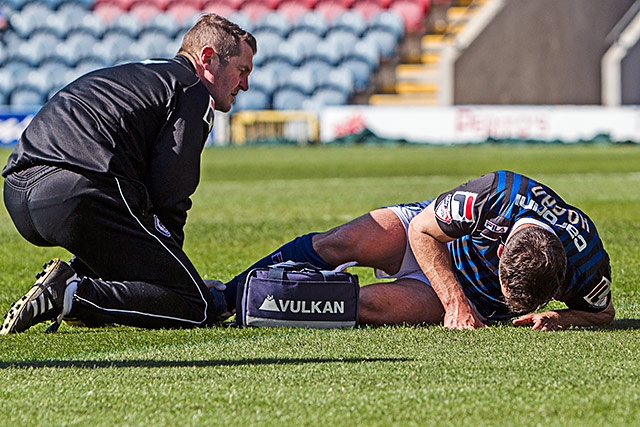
(253,199)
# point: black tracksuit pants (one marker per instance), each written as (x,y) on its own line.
(132,272)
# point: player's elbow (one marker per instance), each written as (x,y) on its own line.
(608,314)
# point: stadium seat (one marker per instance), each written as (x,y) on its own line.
(329,96)
(184,12)
(292,9)
(386,42)
(413,14)
(233,4)
(274,21)
(144,11)
(312,21)
(243,20)
(288,99)
(367,8)
(281,71)
(301,79)
(107,11)
(264,80)
(31,17)
(254,99)
(325,53)
(221,9)
(289,53)
(163,22)
(125,23)
(388,20)
(306,41)
(90,23)
(350,20)
(270,4)
(330,9)
(24,97)
(41,46)
(342,41)
(77,46)
(112,45)
(340,79)
(54,73)
(255,10)
(151,44)
(362,61)
(268,43)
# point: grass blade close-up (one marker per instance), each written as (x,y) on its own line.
(253,199)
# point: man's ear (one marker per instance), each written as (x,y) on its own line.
(209,59)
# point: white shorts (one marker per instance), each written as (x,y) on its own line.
(409,269)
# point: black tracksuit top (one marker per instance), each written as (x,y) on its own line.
(146,122)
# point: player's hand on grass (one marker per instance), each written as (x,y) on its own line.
(462,320)
(547,321)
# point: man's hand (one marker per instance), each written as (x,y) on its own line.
(547,321)
(561,319)
(462,319)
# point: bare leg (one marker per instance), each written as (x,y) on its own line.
(376,240)
(405,301)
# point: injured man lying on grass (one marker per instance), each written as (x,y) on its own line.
(496,248)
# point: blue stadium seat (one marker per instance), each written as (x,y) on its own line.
(305,40)
(151,44)
(329,96)
(313,22)
(301,79)
(281,71)
(288,99)
(125,23)
(26,98)
(385,41)
(254,99)
(4,98)
(31,17)
(342,41)
(268,42)
(352,21)
(77,46)
(42,46)
(288,52)
(163,22)
(90,24)
(362,61)
(263,79)
(340,79)
(388,20)
(112,45)
(274,21)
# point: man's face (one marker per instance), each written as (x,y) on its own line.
(227,79)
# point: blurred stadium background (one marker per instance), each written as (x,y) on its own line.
(434,71)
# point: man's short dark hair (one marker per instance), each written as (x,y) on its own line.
(532,268)
(218,32)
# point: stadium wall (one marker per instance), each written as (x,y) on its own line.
(543,52)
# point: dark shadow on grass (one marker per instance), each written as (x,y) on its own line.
(621,324)
(134,363)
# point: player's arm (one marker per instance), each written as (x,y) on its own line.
(562,319)
(429,245)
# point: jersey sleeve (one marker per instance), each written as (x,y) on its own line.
(593,296)
(458,211)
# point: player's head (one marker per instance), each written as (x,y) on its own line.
(222,54)
(532,268)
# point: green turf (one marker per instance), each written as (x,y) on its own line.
(254,198)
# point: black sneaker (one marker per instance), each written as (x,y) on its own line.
(44,301)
